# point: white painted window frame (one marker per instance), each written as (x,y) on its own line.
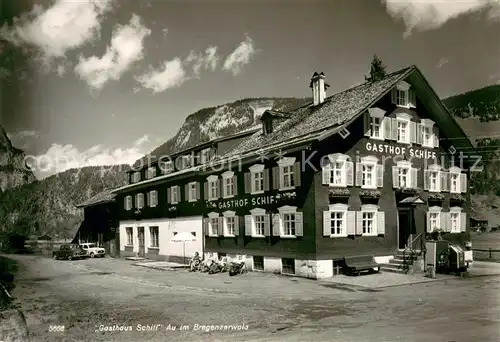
(333,159)
(365,161)
(205,156)
(191,195)
(377,113)
(403,118)
(427,124)
(227,177)
(136,177)
(435,168)
(254,170)
(435,210)
(151,237)
(128,202)
(257,212)
(152,203)
(212,183)
(287,210)
(339,208)
(131,229)
(405,164)
(211,217)
(455,171)
(404,88)
(151,172)
(370,208)
(174,189)
(286,163)
(139,198)
(228,214)
(457,211)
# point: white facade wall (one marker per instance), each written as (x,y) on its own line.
(166,229)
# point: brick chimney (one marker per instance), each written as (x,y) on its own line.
(319,87)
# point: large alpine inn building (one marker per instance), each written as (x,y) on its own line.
(362,172)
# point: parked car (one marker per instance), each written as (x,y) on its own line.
(92,250)
(69,252)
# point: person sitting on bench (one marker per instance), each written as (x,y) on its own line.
(195,262)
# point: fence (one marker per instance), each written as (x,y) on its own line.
(488,254)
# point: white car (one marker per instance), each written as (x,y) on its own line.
(92,250)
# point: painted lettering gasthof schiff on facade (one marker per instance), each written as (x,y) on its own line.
(401,151)
(254,201)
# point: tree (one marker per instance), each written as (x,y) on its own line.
(377,70)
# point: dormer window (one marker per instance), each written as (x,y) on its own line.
(403,96)
(136,177)
(151,172)
(268,126)
(166,166)
(205,156)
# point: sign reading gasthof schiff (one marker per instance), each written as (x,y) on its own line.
(252,201)
(400,151)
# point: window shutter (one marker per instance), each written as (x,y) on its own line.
(236,226)
(359,223)
(248,225)
(186,192)
(380,176)
(394,96)
(394,127)
(266,226)
(412,98)
(276,225)
(395,177)
(169,195)
(220,230)
(359,174)
(366,124)
(426,179)
(297,173)
(387,128)
(125,202)
(148,198)
(380,223)
(299,224)
(205,227)
(413,178)
(205,191)
(429,230)
(413,132)
(351,223)
(276,178)
(435,136)
(248,182)
(463,182)
(325,171)
(266,179)
(349,173)
(218,187)
(197,190)
(463,222)
(327,225)
(235,185)
(444,181)
(418,134)
(443,222)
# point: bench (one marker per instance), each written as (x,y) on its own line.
(358,264)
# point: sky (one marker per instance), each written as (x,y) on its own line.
(98,82)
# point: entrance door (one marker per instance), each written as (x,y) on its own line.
(405,228)
(140,237)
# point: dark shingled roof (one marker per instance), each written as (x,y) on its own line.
(103,197)
(335,111)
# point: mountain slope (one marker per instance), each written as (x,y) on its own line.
(13,169)
(48,206)
(210,123)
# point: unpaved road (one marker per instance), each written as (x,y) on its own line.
(86,296)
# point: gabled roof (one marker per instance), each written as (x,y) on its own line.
(309,120)
(103,197)
(165,149)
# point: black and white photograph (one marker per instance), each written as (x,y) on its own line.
(249,170)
